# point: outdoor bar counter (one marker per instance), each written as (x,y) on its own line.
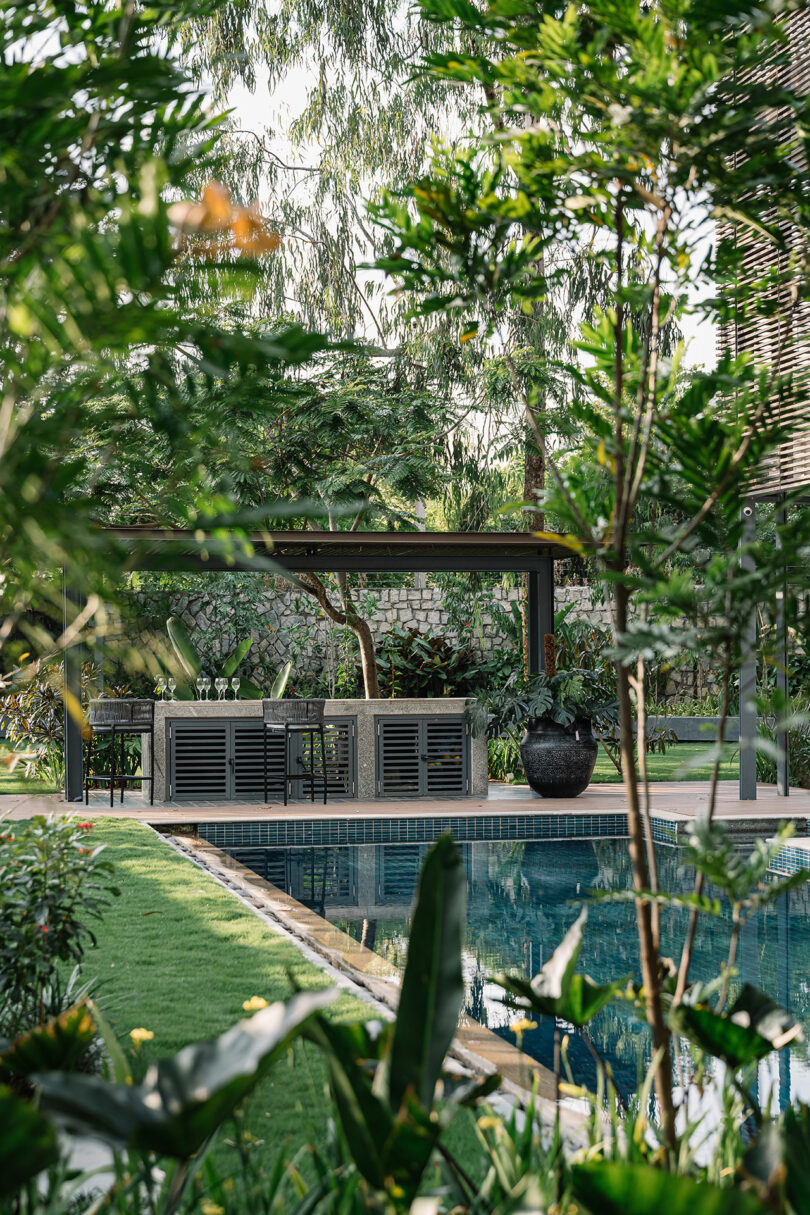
(213,752)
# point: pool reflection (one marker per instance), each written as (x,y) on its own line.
(521,899)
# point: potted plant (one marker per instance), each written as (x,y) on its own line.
(558,711)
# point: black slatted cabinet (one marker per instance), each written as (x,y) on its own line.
(222,760)
(423,757)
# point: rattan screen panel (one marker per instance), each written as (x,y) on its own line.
(781,339)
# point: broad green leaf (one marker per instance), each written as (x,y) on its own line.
(27,1142)
(280,682)
(433,985)
(637,1189)
(184,1099)
(365,1118)
(753,1027)
(231,663)
(557,991)
(184,647)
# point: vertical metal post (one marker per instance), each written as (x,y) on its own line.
(74,776)
(783,989)
(748,675)
(541,611)
(782,677)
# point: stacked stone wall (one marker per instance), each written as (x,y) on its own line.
(293,626)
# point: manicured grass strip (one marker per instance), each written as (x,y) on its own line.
(177,954)
(16,781)
(671,765)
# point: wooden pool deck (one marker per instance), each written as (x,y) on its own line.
(674,801)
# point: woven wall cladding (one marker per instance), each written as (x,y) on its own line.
(780,339)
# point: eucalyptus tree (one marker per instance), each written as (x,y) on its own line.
(630,129)
(101,131)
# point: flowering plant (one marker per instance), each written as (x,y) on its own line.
(52,880)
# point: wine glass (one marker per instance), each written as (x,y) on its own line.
(200,685)
(172,685)
(206,685)
(160,687)
(235,682)
(220,685)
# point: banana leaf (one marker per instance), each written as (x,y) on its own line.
(184,647)
(232,662)
(433,985)
(280,682)
(557,991)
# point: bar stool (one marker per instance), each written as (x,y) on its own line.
(295,717)
(116,718)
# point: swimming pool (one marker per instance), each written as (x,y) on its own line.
(522,895)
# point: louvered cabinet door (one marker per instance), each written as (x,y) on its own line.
(445,757)
(248,762)
(423,757)
(399,768)
(198,760)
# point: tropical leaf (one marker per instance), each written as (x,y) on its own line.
(184,647)
(433,984)
(232,662)
(753,1027)
(637,1189)
(557,991)
(58,1045)
(27,1142)
(280,682)
(184,1099)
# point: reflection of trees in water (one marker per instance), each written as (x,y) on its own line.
(525,895)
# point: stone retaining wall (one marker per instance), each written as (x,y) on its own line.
(295,627)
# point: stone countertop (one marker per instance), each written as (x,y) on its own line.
(332,708)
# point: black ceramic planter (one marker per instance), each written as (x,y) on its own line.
(558,760)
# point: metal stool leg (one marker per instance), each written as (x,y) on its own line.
(264,762)
(286,761)
(88,761)
(323,764)
(112,767)
(312,766)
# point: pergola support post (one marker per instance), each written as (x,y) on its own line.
(74,773)
(541,611)
(782,676)
(748,673)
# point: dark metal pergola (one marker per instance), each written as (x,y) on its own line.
(296,552)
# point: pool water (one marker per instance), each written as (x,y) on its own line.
(522,896)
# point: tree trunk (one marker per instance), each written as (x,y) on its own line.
(349,617)
(650,974)
(534,481)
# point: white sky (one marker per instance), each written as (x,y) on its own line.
(256,110)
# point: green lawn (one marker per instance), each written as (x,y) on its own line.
(16,782)
(178,955)
(672,765)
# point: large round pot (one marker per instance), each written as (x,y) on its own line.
(558,760)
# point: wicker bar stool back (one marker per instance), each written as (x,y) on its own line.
(116,718)
(304,717)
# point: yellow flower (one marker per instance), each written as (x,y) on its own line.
(254,1004)
(211,1208)
(521,1025)
(141,1035)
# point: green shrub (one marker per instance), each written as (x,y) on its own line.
(52,881)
